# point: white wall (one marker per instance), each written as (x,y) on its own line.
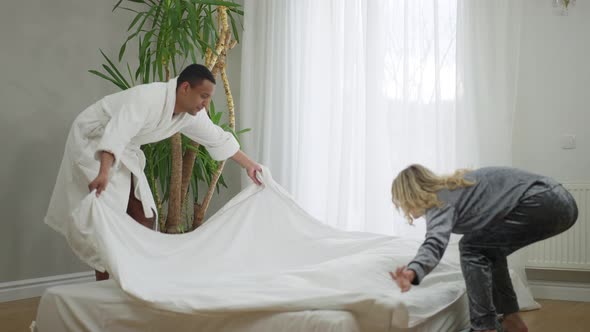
(46,49)
(553,92)
(552,100)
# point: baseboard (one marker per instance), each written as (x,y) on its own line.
(557,290)
(24,289)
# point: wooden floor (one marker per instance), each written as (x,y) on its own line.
(560,316)
(17,316)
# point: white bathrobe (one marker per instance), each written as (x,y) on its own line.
(120,123)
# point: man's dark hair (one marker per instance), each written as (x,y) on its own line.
(194,75)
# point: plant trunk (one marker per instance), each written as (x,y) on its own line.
(215,61)
(175,199)
(202,208)
(187,167)
(173,218)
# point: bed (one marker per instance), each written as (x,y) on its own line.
(103,306)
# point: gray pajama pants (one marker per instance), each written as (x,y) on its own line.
(541,213)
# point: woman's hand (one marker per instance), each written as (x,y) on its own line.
(403,278)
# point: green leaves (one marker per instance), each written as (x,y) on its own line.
(113,74)
(135,20)
(234,26)
(117,4)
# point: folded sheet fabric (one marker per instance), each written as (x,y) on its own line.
(261,252)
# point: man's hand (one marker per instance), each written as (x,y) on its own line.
(251,166)
(252,170)
(403,277)
(99,183)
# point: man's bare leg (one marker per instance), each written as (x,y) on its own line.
(135,210)
(101,275)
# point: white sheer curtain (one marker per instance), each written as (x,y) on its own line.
(303,94)
(342,94)
(488,54)
(410,99)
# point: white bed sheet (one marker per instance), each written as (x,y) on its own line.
(261,253)
(103,306)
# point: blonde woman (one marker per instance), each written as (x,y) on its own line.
(498,211)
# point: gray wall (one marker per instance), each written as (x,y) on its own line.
(553,85)
(47,48)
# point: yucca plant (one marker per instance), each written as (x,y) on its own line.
(168,34)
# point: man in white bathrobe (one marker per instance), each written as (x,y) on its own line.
(103,147)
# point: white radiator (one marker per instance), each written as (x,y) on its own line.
(571,249)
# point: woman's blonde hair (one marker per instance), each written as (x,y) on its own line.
(414,189)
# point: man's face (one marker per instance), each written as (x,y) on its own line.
(193,99)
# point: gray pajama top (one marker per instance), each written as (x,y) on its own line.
(496,192)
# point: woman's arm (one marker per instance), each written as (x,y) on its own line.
(439,225)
